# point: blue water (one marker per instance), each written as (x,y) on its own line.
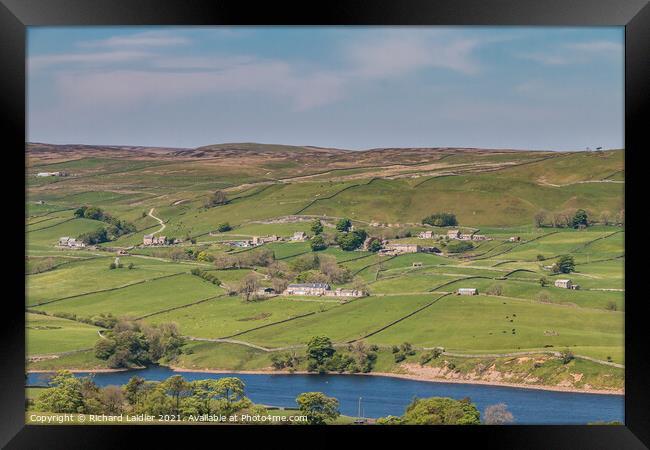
(382,396)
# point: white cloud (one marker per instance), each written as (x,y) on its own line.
(398,54)
(576,53)
(120,88)
(101,58)
(596,46)
(146,39)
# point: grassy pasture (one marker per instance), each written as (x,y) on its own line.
(138,300)
(47,335)
(226,316)
(482,324)
(346,322)
(531,291)
(93,275)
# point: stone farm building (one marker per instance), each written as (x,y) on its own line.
(299,236)
(259,240)
(426,234)
(453,234)
(403,248)
(70,242)
(307,289)
(467,291)
(340,292)
(566,284)
(150,239)
(514,239)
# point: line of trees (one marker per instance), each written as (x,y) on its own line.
(579,218)
(173,396)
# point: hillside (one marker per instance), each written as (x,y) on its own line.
(279,190)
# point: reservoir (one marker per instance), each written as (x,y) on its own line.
(383,396)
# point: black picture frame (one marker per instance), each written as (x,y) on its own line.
(634,15)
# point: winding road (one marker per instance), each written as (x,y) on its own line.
(162,224)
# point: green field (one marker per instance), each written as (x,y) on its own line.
(46,334)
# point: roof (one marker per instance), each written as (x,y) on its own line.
(310,285)
(564,280)
(466,289)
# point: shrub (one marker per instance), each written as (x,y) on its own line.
(459,246)
(495,289)
(223,227)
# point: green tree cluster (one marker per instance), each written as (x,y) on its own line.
(436,411)
(441,219)
(132,343)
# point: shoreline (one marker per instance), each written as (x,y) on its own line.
(403,376)
(414,377)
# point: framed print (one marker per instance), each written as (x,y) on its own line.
(379,219)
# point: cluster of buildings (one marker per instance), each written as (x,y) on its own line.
(453,234)
(321,289)
(391,249)
(298,236)
(69,242)
(52,174)
(259,240)
(150,239)
(566,284)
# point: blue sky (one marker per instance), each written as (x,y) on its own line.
(345,87)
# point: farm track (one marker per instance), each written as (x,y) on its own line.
(106,290)
(160,221)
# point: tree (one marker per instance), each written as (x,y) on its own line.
(216,199)
(318,407)
(176,387)
(566,356)
(316,227)
(497,415)
(495,289)
(223,227)
(317,243)
(605,217)
(374,245)
(543,282)
(248,286)
(566,264)
(319,349)
(539,218)
(104,348)
(344,224)
(352,241)
(442,219)
(134,390)
(64,395)
(441,411)
(580,219)
(232,391)
(112,400)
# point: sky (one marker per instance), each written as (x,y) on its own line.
(533,88)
